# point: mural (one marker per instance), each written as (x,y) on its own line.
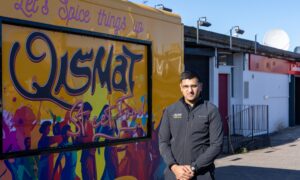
(85,96)
(139,160)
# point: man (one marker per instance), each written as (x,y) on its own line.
(191,134)
(88,164)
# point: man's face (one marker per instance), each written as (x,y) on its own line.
(190,89)
(86,115)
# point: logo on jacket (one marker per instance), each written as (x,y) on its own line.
(177,115)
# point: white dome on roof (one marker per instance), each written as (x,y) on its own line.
(277,38)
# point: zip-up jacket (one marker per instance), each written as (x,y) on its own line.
(191,136)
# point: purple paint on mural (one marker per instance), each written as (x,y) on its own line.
(45,9)
(107,19)
(28,7)
(69,12)
(31,7)
(138,27)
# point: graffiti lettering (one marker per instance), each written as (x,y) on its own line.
(69,13)
(107,75)
(108,20)
(28,7)
(45,9)
(138,27)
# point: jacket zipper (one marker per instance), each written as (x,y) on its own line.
(185,137)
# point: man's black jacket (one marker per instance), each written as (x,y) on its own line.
(191,136)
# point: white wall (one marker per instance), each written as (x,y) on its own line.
(264,89)
(238,64)
(270,89)
(213,81)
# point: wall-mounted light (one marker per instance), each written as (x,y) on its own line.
(202,21)
(162,7)
(237,30)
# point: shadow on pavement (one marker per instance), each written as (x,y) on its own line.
(285,136)
(255,173)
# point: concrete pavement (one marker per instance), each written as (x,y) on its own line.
(280,161)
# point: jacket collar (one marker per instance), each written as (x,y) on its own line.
(188,107)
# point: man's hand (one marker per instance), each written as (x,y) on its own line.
(182,172)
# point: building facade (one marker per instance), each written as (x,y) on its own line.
(245,76)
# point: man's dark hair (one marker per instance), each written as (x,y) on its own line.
(189,75)
(44,125)
(87,106)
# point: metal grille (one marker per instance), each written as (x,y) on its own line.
(248,126)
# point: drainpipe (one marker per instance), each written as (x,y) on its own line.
(230,40)
(255,45)
(198,31)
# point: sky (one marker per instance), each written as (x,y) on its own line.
(256,17)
